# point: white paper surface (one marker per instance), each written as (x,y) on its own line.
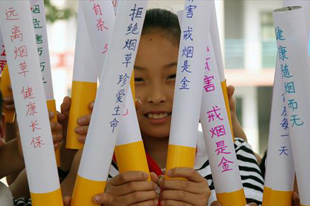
(190,72)
(39,25)
(99,17)
(279,165)
(306,7)
(216,129)
(28,93)
(294,64)
(215,37)
(111,95)
(85,69)
(129,130)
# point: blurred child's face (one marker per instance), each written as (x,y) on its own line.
(155,72)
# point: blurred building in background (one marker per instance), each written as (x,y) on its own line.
(249,50)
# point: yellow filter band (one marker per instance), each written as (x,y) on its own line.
(132,85)
(180,156)
(131,157)
(82,94)
(51,107)
(47,199)
(6,92)
(224,89)
(236,198)
(274,197)
(85,190)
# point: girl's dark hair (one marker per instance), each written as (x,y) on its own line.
(162,20)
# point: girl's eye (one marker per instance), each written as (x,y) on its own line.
(173,76)
(137,80)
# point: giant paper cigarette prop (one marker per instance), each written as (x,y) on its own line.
(218,137)
(6,92)
(294,64)
(188,87)
(306,7)
(214,31)
(5,80)
(110,100)
(279,177)
(84,85)
(39,25)
(28,92)
(99,17)
(129,150)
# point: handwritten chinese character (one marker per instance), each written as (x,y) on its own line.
(16,34)
(133,29)
(37,142)
(39,39)
(117,111)
(207,67)
(209,86)
(2,65)
(105,50)
(27,93)
(36,23)
(283,150)
(136,12)
(187,34)
(185,67)
(225,164)
(23,68)
(292,104)
(221,148)
(188,51)
(127,59)
(36,9)
(10,14)
(279,35)
(113,124)
(3,54)
(282,53)
(34,125)
(31,109)
(123,79)
(130,44)
(120,94)
(284,113)
(284,123)
(40,51)
(212,114)
(296,121)
(21,52)
(42,66)
(97,9)
(184,82)
(285,71)
(218,131)
(100,25)
(289,87)
(190,11)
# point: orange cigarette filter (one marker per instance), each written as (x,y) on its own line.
(7,92)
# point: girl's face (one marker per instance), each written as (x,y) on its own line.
(155,72)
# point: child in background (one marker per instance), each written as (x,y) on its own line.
(155,73)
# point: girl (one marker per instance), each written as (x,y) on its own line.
(155,73)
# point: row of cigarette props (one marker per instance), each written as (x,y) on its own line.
(39,25)
(18,30)
(288,137)
(200,78)
(106,129)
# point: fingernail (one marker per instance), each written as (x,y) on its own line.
(155,187)
(78,129)
(169,172)
(81,120)
(146,175)
(155,202)
(96,199)
(81,139)
(91,104)
(51,113)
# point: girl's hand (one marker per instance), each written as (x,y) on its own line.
(195,191)
(216,203)
(129,188)
(83,123)
(56,130)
